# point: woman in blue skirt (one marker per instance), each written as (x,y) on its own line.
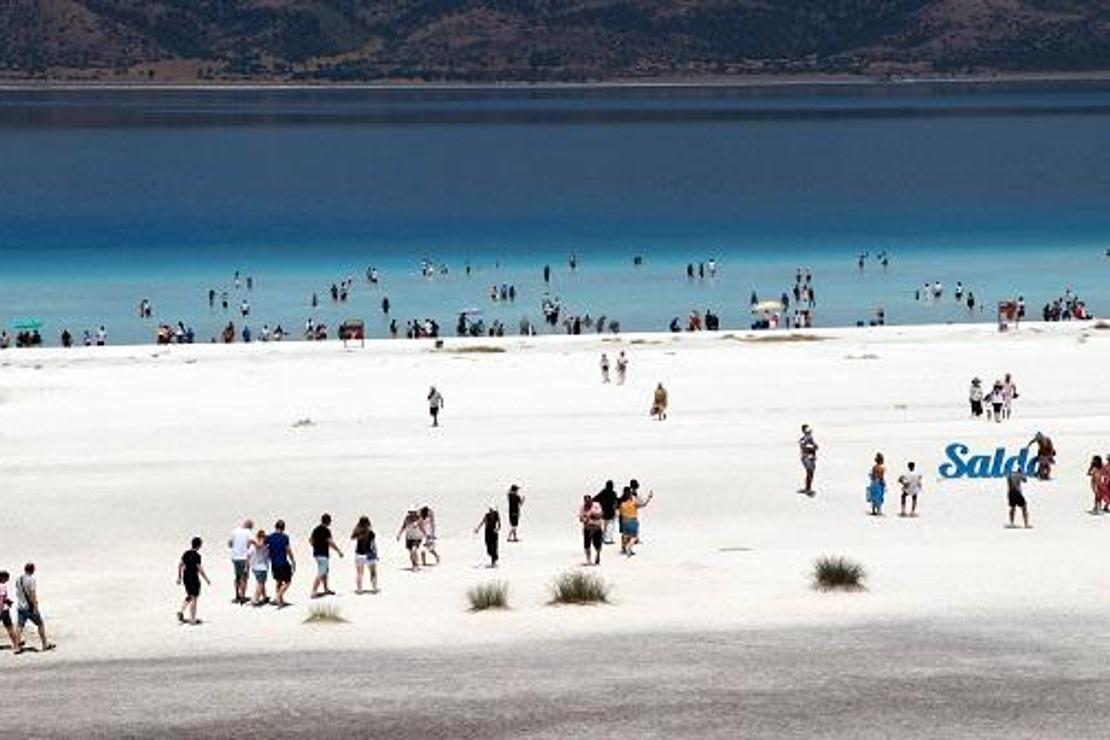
(876,489)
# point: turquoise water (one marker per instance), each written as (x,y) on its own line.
(109,196)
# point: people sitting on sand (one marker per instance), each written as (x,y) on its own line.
(659,403)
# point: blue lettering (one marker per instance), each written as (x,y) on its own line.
(955,468)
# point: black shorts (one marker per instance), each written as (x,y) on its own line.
(977,408)
(192,587)
(591,537)
(514,518)
(1016,498)
(282,573)
(997,408)
(6,618)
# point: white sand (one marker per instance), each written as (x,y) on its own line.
(113,458)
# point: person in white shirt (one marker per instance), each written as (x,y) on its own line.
(239,543)
(1009,393)
(258,553)
(975,396)
(911,487)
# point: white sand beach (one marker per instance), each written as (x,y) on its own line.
(114,457)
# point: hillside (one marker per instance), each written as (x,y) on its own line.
(486,40)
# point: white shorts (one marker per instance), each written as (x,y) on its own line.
(366,559)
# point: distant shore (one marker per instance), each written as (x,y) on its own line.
(725,81)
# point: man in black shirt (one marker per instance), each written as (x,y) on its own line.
(322,545)
(607,499)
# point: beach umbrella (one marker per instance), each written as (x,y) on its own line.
(767,307)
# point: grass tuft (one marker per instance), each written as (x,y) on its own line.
(576,587)
(837,573)
(324,614)
(492,595)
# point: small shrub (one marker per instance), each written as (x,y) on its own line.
(837,573)
(324,614)
(492,595)
(1100,324)
(579,588)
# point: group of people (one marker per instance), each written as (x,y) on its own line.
(607,511)
(910,483)
(696,321)
(27,609)
(996,404)
(704,269)
(622,368)
(1066,307)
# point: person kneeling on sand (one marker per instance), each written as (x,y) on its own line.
(189,573)
(589,514)
(876,488)
(911,487)
(1015,498)
(659,403)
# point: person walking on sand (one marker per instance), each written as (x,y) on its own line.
(622,368)
(589,515)
(1097,472)
(366,554)
(659,403)
(606,498)
(491,521)
(1009,393)
(911,487)
(239,543)
(410,528)
(1015,498)
(604,368)
(428,531)
(322,546)
(189,573)
(808,450)
(5,611)
(282,562)
(435,405)
(516,500)
(996,400)
(259,557)
(975,398)
(876,488)
(630,505)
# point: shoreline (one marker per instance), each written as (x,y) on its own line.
(755,81)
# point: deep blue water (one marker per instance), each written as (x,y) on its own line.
(107,196)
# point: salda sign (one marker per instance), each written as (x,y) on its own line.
(962,464)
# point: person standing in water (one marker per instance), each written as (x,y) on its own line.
(589,515)
(808,449)
(435,405)
(366,554)
(1015,498)
(876,488)
(604,368)
(189,573)
(516,500)
(911,487)
(491,521)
